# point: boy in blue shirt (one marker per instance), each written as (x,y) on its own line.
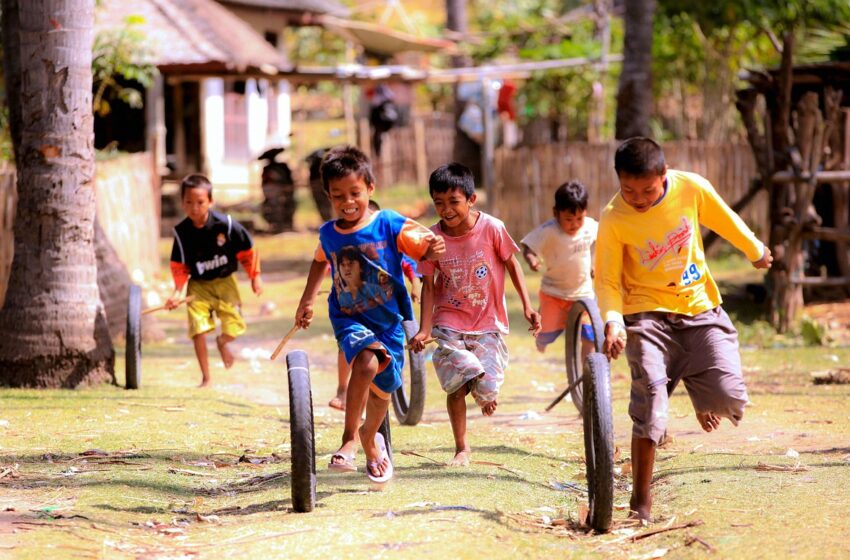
(367,325)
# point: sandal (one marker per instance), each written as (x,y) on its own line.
(370,465)
(344,463)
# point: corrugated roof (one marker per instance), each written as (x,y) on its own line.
(194,35)
(330,7)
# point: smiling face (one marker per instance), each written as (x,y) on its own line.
(350,199)
(196,204)
(455,210)
(642,192)
(570,220)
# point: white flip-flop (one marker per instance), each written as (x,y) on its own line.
(388,473)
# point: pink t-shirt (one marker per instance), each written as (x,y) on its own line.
(469,278)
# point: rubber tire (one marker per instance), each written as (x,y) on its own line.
(409,405)
(572,338)
(302,437)
(133,351)
(385,431)
(598,441)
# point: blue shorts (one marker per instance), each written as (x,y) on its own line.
(388,345)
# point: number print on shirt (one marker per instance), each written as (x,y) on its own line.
(691,275)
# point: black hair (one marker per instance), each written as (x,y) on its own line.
(374,205)
(343,161)
(452,176)
(195,181)
(571,196)
(639,157)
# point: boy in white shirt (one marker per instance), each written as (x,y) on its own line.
(565,243)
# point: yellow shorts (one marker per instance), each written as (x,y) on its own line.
(220,296)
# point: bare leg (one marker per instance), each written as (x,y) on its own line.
(363,370)
(342,372)
(456,406)
(200,342)
(376,411)
(586,348)
(222,341)
(643,461)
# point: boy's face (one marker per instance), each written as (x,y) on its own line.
(196,204)
(642,192)
(350,198)
(452,206)
(569,220)
(350,271)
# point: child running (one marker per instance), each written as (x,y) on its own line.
(653,283)
(408,267)
(365,316)
(565,243)
(463,299)
(207,247)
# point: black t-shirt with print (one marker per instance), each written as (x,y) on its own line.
(210,252)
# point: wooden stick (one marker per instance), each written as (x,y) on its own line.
(161,307)
(694,523)
(426,341)
(283,342)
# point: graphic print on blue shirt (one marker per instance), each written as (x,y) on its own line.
(368,283)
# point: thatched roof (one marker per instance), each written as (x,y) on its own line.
(331,7)
(194,36)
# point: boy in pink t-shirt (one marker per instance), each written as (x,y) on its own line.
(463,299)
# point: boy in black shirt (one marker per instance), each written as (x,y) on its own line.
(207,247)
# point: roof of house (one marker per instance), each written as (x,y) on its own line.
(194,36)
(382,40)
(331,7)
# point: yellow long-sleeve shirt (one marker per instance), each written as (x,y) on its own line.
(654,261)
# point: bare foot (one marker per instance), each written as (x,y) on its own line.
(640,513)
(461,458)
(708,420)
(489,408)
(204,383)
(226,354)
(338,402)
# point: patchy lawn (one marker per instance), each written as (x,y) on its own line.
(171,471)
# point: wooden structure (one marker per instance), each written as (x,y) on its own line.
(798,125)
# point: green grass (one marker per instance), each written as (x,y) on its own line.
(177,489)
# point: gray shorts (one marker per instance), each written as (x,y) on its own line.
(702,351)
(478,359)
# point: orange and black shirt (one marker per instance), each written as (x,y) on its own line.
(212,251)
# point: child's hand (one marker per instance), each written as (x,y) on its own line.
(533,261)
(765,261)
(417,343)
(304,314)
(172,303)
(615,340)
(257,285)
(436,247)
(414,297)
(533,318)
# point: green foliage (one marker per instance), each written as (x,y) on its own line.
(119,57)
(813,333)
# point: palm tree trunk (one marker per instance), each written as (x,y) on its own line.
(52,328)
(634,94)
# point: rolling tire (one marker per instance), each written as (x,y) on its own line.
(598,441)
(301,433)
(133,356)
(384,430)
(408,404)
(573,343)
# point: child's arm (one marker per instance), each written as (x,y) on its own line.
(530,257)
(304,313)
(415,288)
(426,314)
(608,268)
(518,279)
(179,273)
(250,260)
(716,215)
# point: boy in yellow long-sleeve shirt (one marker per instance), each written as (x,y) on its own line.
(660,303)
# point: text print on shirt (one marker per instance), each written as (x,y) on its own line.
(216,262)
(673,242)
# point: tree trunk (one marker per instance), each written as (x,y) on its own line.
(634,94)
(53,330)
(466,150)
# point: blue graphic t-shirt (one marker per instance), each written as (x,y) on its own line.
(368,282)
